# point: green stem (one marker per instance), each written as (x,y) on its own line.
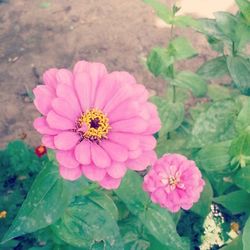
(174,93)
(92,187)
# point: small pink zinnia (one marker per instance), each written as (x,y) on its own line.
(99,123)
(174,182)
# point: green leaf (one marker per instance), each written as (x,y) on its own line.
(215,157)
(244,6)
(180,48)
(239,69)
(215,68)
(209,27)
(157,221)
(240,148)
(192,82)
(236,202)
(217,92)
(245,235)
(243,119)
(84,223)
(215,124)
(227,23)
(161,10)
(236,244)
(171,114)
(242,178)
(203,206)
(158,61)
(105,201)
(186,21)
(160,224)
(45,203)
(131,193)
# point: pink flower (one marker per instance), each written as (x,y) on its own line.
(174,182)
(99,123)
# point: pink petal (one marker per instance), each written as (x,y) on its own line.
(143,161)
(82,152)
(130,141)
(67,159)
(66,140)
(125,110)
(99,157)
(68,93)
(93,173)
(63,108)
(147,142)
(110,183)
(124,77)
(43,99)
(115,151)
(64,76)
(135,153)
(123,93)
(95,72)
(83,86)
(117,170)
(81,66)
(136,125)
(106,89)
(58,122)
(48,141)
(70,173)
(42,127)
(49,78)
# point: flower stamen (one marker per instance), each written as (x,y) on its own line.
(93,125)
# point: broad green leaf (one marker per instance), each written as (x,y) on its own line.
(84,223)
(220,183)
(45,203)
(217,92)
(171,114)
(186,21)
(236,202)
(160,224)
(161,10)
(104,201)
(131,232)
(131,193)
(215,124)
(215,157)
(216,44)
(203,206)
(180,48)
(192,82)
(244,6)
(240,148)
(157,221)
(227,23)
(215,68)
(209,27)
(243,119)
(242,178)
(158,61)
(245,235)
(236,244)
(239,69)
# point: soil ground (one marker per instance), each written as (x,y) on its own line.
(36,35)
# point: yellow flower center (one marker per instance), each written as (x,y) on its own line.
(93,125)
(173,181)
(3,214)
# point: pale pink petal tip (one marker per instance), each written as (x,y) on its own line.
(99,123)
(174,182)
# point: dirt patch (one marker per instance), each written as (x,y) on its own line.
(36,35)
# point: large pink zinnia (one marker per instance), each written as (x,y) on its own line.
(100,124)
(174,182)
